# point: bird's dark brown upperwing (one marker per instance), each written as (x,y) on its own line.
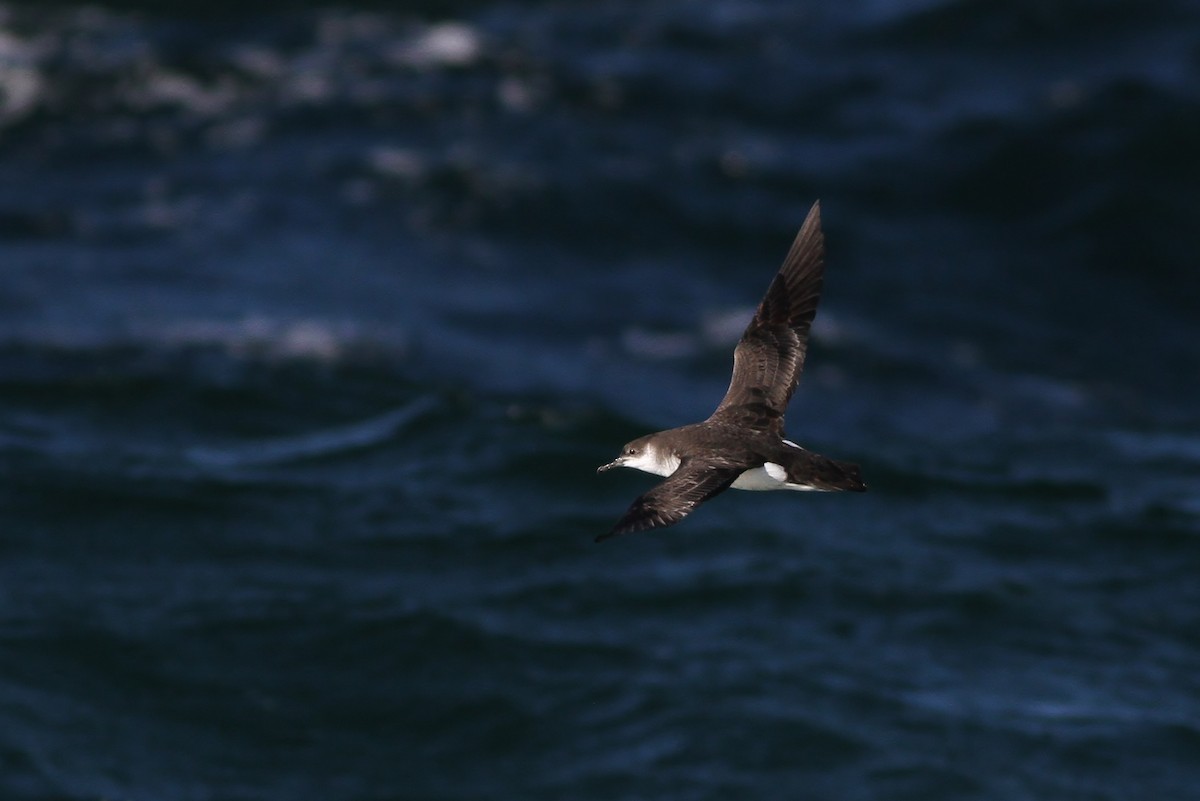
(769,357)
(690,485)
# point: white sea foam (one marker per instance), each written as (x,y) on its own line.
(279,339)
(447,44)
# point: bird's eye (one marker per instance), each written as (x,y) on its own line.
(629,451)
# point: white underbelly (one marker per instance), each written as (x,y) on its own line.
(770,476)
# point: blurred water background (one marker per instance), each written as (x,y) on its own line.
(315,321)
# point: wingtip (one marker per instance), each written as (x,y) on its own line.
(608,535)
(807,253)
(814,215)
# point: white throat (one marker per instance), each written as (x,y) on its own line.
(654,460)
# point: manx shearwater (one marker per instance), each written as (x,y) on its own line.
(742,444)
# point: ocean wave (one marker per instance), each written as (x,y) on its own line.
(322,443)
(256,338)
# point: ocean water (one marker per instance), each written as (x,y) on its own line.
(316,320)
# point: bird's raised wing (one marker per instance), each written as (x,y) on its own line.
(770,355)
(690,485)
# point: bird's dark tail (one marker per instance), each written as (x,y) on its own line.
(834,476)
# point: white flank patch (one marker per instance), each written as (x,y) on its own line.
(770,476)
(791,444)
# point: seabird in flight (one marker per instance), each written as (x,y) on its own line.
(742,444)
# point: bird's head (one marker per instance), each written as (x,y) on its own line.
(643,454)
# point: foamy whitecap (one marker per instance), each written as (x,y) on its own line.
(398,162)
(21,84)
(173,88)
(447,44)
(725,328)
(275,339)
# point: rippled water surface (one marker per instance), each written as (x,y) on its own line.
(315,322)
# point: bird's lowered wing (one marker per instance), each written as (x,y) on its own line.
(690,485)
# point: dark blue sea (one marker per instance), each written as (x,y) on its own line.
(316,321)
